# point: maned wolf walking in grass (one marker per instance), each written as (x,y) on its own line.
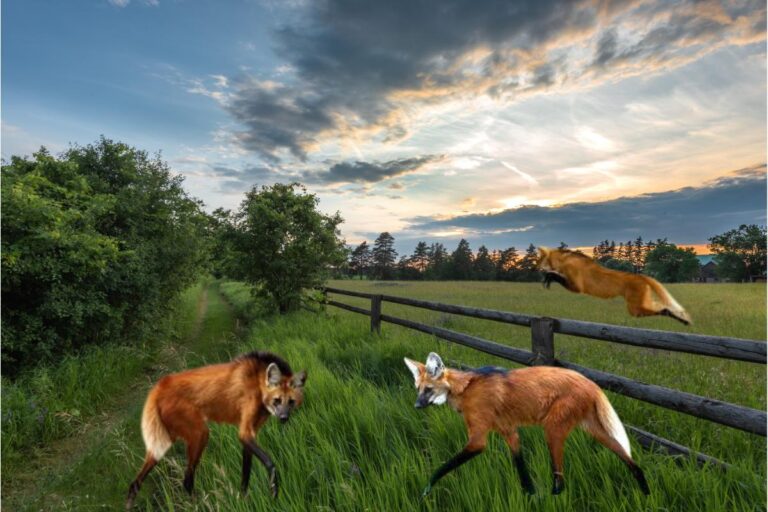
(580,274)
(243,392)
(496,399)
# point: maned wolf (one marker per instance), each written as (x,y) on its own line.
(496,399)
(580,274)
(243,392)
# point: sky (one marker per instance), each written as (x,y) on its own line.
(502,122)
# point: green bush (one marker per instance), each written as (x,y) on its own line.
(95,243)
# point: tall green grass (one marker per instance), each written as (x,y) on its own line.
(357,443)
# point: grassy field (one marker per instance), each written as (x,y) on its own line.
(359,444)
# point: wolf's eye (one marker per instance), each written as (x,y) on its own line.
(291,402)
(277,401)
(428,389)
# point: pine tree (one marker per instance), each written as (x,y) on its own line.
(420,257)
(437,257)
(384,256)
(461,261)
(360,259)
(484,269)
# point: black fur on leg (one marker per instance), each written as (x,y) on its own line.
(522,472)
(559,483)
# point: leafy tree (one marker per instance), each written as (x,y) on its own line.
(384,256)
(461,261)
(221,231)
(360,259)
(483,266)
(284,244)
(95,244)
(747,243)
(671,264)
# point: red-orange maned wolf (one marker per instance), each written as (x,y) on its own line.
(578,273)
(495,399)
(243,392)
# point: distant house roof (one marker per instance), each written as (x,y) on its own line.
(705,258)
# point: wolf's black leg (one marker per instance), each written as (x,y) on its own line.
(267,463)
(553,276)
(522,471)
(459,459)
(247,459)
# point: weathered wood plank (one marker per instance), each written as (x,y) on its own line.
(349,292)
(652,441)
(354,309)
(543,341)
(489,347)
(376,314)
(736,416)
(717,346)
(487,314)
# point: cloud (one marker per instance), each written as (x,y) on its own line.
(688,215)
(241,179)
(238,181)
(363,71)
(371,172)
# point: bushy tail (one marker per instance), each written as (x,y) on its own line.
(156,436)
(676,309)
(611,423)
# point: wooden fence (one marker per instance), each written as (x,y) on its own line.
(542,352)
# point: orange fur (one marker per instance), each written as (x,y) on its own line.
(243,392)
(555,398)
(584,275)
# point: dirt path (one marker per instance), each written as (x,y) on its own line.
(35,487)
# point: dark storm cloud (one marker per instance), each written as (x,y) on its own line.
(688,215)
(240,180)
(371,172)
(348,56)
(354,63)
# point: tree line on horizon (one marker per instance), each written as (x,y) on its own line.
(740,255)
(98,242)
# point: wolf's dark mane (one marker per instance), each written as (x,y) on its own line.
(489,370)
(266,358)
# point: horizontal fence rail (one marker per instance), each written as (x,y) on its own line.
(542,340)
(715,346)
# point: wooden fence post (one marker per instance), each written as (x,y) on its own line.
(376,314)
(543,341)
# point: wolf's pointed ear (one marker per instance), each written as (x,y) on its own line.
(273,375)
(435,366)
(415,368)
(543,251)
(299,379)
